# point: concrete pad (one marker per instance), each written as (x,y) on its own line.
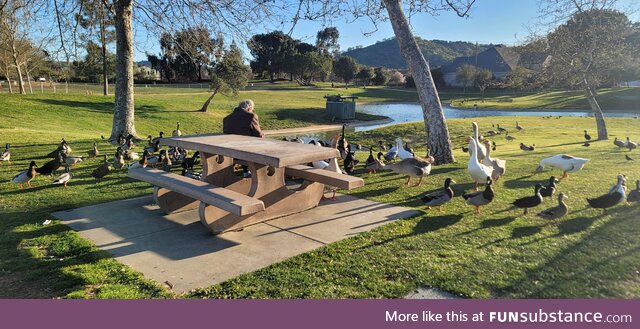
(431,293)
(178,249)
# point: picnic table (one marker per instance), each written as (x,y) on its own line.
(227,202)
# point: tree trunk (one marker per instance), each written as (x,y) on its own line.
(9,83)
(29,80)
(18,70)
(103,40)
(438,140)
(597,111)
(123,113)
(205,106)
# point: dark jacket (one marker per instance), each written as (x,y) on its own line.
(241,122)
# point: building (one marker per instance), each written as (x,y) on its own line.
(144,71)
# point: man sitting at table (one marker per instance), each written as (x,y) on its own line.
(242,121)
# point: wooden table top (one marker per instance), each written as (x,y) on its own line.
(265,151)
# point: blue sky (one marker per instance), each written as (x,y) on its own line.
(491,21)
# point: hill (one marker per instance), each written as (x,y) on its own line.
(438,52)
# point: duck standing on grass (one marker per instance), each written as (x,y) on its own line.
(177,132)
(550,189)
(480,198)
(478,171)
(566,163)
(166,161)
(631,145)
(619,143)
(556,212)
(6,155)
(350,162)
(102,170)
(634,196)
(51,166)
(499,166)
(438,198)
(142,163)
(94,151)
(118,159)
(412,167)
(64,178)
(25,176)
(374,164)
(587,137)
(616,195)
(529,201)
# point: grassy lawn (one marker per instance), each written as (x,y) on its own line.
(497,254)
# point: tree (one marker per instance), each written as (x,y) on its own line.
(586,49)
(365,75)
(345,68)
(396,78)
(270,51)
(482,79)
(229,75)
(15,17)
(327,41)
(93,65)
(309,66)
(466,75)
(381,76)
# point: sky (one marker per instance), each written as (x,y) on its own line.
(490,21)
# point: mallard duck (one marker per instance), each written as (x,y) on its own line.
(392,154)
(64,178)
(438,198)
(320,164)
(349,162)
(547,191)
(118,159)
(631,145)
(131,156)
(508,137)
(529,201)
(499,166)
(161,135)
(381,146)
(491,133)
(126,143)
(165,160)
(6,155)
(52,166)
(478,171)
(25,176)
(377,164)
(63,147)
(412,167)
(480,198)
(94,152)
(481,151)
(66,149)
(556,212)
(527,147)
(616,195)
(519,127)
(189,162)
(402,152)
(634,196)
(587,136)
(564,162)
(500,129)
(102,170)
(177,132)
(619,143)
(142,163)
(72,161)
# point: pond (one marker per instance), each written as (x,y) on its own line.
(411,112)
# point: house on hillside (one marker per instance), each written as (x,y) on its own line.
(500,60)
(144,71)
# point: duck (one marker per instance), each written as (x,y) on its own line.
(142,163)
(481,151)
(565,162)
(402,152)
(377,164)
(332,167)
(480,198)
(408,148)
(556,212)
(529,201)
(94,152)
(519,127)
(66,149)
(478,171)
(499,166)
(25,176)
(412,167)
(153,147)
(63,147)
(438,198)
(72,161)
(64,178)
(51,166)
(152,160)
(131,156)
(392,153)
(381,146)
(177,132)
(102,170)
(167,164)
(619,143)
(500,129)
(587,136)
(350,162)
(491,133)
(118,159)
(550,189)
(508,137)
(6,154)
(616,195)
(634,196)
(189,162)
(631,145)
(320,164)
(527,147)
(493,146)
(161,135)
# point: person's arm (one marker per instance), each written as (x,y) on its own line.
(255,126)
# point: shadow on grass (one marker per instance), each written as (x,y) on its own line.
(100,107)
(490,223)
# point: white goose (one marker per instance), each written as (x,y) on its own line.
(566,163)
(481,151)
(320,164)
(478,171)
(402,153)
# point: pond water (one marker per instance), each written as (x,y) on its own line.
(411,112)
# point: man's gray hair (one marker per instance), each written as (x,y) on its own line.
(246,104)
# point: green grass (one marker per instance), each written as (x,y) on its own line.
(497,254)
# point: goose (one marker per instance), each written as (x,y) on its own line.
(343,144)
(72,161)
(377,164)
(631,145)
(508,137)
(102,170)
(402,152)
(118,159)
(587,136)
(52,166)
(616,195)
(438,198)
(556,212)
(320,164)
(350,162)
(519,127)
(381,146)
(527,147)
(142,163)
(167,164)
(550,189)
(412,167)
(529,201)
(499,166)
(177,132)
(566,163)
(619,143)
(6,155)
(478,171)
(64,178)
(634,196)
(25,176)
(480,198)
(94,151)
(481,151)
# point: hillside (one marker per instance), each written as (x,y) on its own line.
(438,52)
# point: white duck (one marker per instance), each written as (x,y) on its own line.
(499,166)
(402,152)
(6,155)
(320,164)
(478,171)
(333,166)
(481,150)
(566,163)
(64,178)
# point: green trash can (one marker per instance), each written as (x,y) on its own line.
(340,108)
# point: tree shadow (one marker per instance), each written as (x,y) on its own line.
(100,107)
(490,223)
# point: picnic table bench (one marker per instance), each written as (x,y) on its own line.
(227,202)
